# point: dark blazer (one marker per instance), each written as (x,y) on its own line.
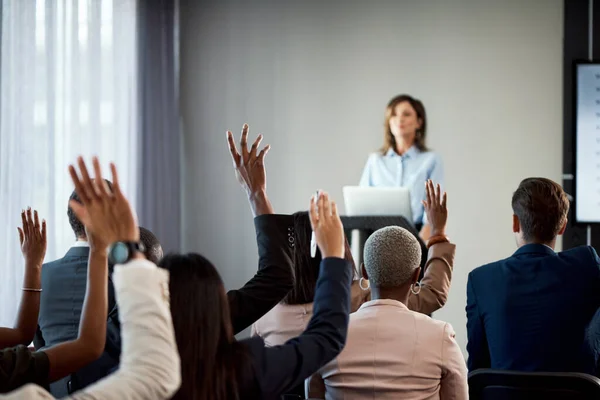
(19,366)
(529,312)
(274,279)
(275,370)
(64,282)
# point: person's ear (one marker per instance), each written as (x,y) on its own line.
(416,274)
(419,123)
(363,271)
(516,224)
(564,227)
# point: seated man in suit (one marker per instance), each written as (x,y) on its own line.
(61,304)
(529,311)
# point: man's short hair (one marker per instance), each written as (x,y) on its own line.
(153,250)
(76,225)
(541,206)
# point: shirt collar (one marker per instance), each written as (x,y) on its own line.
(535,248)
(80,243)
(383,302)
(410,153)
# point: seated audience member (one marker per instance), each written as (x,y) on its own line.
(33,241)
(274,278)
(213,364)
(19,366)
(529,311)
(149,367)
(391,351)
(64,283)
(290,317)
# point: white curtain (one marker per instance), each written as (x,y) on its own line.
(67,87)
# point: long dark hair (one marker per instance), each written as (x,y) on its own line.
(389,141)
(306,268)
(210,356)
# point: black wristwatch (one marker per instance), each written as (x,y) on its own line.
(122,252)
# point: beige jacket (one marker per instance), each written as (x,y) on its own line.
(286,321)
(393,353)
(150,367)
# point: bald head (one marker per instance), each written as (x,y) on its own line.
(391,256)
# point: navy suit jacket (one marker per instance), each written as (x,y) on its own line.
(530,311)
(64,282)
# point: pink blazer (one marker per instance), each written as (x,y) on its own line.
(287,321)
(393,353)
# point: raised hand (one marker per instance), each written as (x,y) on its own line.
(327,226)
(32,237)
(249,166)
(107,216)
(435,207)
(250,171)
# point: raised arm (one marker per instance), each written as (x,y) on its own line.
(32,237)
(274,278)
(150,366)
(283,367)
(435,284)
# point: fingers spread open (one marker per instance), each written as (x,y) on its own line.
(24,222)
(244,142)
(30,229)
(87,181)
(79,210)
(44,231)
(115,180)
(261,156)
(100,185)
(254,149)
(235,156)
(36,222)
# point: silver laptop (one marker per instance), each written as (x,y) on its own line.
(364,200)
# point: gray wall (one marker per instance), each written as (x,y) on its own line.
(314,77)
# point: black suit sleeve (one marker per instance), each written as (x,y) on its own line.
(477,346)
(274,278)
(38,339)
(19,366)
(281,368)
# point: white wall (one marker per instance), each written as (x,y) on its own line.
(314,77)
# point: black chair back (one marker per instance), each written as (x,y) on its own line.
(489,384)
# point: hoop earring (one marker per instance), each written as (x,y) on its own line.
(360,283)
(415,291)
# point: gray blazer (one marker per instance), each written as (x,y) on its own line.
(64,282)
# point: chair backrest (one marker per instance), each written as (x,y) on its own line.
(489,384)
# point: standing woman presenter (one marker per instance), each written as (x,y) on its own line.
(404,160)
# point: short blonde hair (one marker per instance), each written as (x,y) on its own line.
(391,256)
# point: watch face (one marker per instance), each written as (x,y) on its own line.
(119,253)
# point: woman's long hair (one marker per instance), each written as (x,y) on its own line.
(306,268)
(210,356)
(389,141)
